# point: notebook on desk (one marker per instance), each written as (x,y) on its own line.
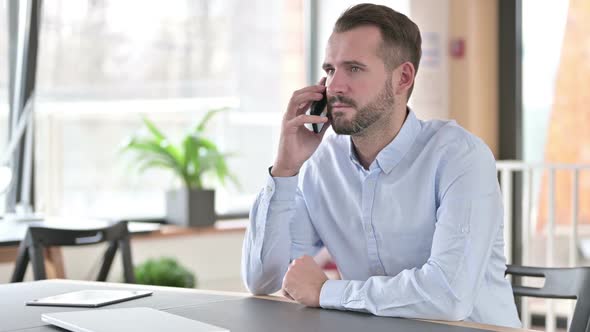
(126,319)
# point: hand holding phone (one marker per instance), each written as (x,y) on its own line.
(300,132)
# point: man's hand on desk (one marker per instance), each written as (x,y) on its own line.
(303,281)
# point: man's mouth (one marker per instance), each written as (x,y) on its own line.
(340,105)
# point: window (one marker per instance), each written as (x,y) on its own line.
(4,62)
(105,63)
(542,46)
(3,86)
(555,103)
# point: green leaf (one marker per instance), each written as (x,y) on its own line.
(201,126)
(189,160)
(207,144)
(152,163)
(192,163)
(221,168)
(150,148)
(153,129)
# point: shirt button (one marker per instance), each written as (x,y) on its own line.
(268,189)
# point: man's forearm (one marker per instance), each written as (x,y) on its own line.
(266,249)
(417,293)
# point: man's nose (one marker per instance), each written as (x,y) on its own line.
(336,84)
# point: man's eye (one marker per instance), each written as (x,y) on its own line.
(355,69)
(329,71)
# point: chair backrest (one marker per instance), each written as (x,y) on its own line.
(37,238)
(560,283)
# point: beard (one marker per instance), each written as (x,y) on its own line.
(365,116)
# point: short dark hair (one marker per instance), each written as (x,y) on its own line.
(401,37)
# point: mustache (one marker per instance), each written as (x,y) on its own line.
(342,100)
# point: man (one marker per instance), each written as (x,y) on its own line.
(410,210)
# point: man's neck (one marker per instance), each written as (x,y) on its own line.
(368,144)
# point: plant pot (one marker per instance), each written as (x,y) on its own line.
(190,207)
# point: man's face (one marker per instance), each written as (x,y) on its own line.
(360,88)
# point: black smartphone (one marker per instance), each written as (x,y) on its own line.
(319,108)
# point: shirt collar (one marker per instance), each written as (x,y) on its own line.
(393,152)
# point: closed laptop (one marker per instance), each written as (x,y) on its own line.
(126,319)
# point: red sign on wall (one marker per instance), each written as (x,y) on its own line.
(457,48)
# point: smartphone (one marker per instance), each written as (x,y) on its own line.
(319,108)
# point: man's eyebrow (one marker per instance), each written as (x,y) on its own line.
(345,63)
(354,63)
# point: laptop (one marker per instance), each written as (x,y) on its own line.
(126,319)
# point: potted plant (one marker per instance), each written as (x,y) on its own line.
(164,271)
(189,160)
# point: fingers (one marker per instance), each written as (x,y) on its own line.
(286,294)
(301,101)
(307,258)
(301,109)
(304,97)
(302,119)
(284,287)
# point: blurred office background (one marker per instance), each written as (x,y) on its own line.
(514,72)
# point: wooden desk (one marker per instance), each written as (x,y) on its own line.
(220,227)
(235,311)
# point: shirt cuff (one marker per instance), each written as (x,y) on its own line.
(331,294)
(282,188)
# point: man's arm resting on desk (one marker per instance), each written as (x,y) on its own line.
(272,240)
(446,287)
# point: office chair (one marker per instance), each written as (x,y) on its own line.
(37,238)
(560,283)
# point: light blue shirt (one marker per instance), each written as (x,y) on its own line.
(419,234)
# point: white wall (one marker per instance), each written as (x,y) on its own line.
(430,98)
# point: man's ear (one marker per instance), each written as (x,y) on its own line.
(404,78)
